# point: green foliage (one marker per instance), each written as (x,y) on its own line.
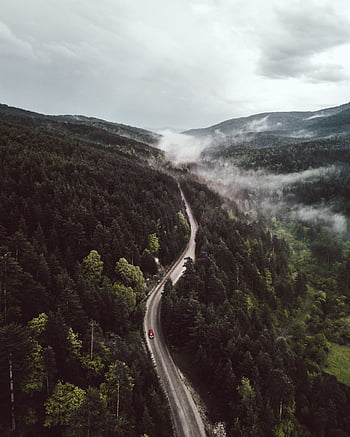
(35,377)
(153,244)
(69,209)
(65,399)
(246,391)
(38,324)
(93,265)
(74,342)
(92,417)
(290,428)
(95,366)
(338,362)
(253,315)
(340,327)
(280,157)
(183,222)
(131,275)
(127,293)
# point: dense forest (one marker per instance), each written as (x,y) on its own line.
(266,306)
(88,219)
(282,155)
(249,318)
(82,226)
(88,127)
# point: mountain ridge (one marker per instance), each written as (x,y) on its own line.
(127,131)
(127,139)
(286,123)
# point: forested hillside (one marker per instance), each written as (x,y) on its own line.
(284,278)
(86,221)
(262,154)
(249,319)
(276,156)
(294,124)
(80,227)
(83,124)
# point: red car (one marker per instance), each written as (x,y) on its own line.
(150,333)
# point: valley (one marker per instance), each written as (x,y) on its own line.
(91,217)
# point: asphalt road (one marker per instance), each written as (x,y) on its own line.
(186,418)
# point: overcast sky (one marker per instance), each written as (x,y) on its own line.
(174,63)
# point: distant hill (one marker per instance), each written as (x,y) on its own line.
(307,125)
(63,123)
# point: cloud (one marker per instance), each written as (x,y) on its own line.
(326,73)
(11,46)
(183,64)
(182,148)
(240,179)
(302,32)
(337,222)
(257,190)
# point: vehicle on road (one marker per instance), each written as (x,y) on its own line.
(150,333)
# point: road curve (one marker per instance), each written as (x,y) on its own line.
(186,418)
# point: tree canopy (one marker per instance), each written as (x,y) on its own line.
(72,212)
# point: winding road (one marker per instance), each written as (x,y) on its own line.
(186,418)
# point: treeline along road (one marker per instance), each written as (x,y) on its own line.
(186,418)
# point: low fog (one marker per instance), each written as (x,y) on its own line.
(251,190)
(182,148)
(232,176)
(337,222)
